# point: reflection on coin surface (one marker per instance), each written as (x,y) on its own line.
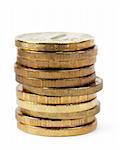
(54,41)
(54,37)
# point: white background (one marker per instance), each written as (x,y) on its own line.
(99,18)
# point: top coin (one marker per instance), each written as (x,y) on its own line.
(54,41)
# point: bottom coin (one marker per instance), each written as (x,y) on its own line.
(33,121)
(75,115)
(58,132)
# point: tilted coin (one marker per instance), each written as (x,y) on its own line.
(79,130)
(56,82)
(53,74)
(58,56)
(26,96)
(33,121)
(54,41)
(53,64)
(81,114)
(78,91)
(57,108)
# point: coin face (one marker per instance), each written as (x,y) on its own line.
(54,38)
(54,41)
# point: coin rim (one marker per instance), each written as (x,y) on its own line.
(58,56)
(50,74)
(61,65)
(58,132)
(82,114)
(23,95)
(33,121)
(71,82)
(32,106)
(85,90)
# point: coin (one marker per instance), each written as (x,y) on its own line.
(56,82)
(26,96)
(76,115)
(52,64)
(32,106)
(77,91)
(58,56)
(53,74)
(54,41)
(79,130)
(33,121)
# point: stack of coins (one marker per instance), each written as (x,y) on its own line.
(58,85)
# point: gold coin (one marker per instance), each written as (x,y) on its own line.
(33,121)
(53,64)
(54,41)
(26,96)
(84,129)
(58,56)
(53,74)
(78,91)
(56,82)
(76,115)
(57,108)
